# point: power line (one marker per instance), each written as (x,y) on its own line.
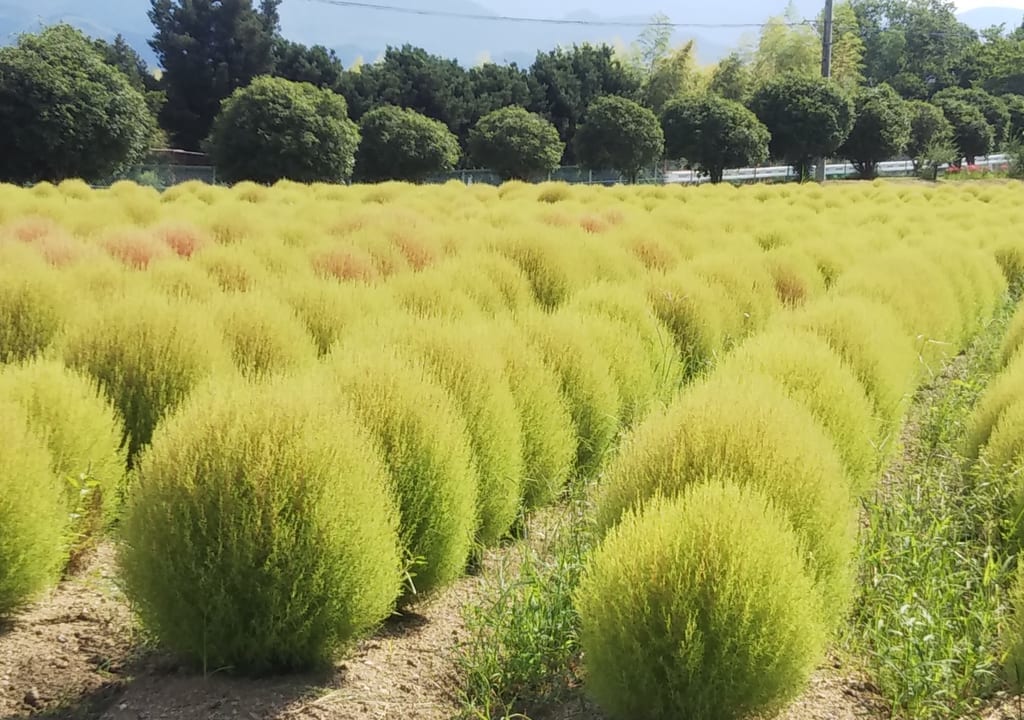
(397,9)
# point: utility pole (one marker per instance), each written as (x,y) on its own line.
(826,71)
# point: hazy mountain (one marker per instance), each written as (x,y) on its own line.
(365,33)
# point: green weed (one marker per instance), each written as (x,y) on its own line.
(934,572)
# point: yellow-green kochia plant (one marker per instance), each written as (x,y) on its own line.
(700,607)
(259,534)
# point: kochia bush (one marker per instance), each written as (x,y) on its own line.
(748,430)
(549,438)
(147,356)
(462,359)
(31,311)
(426,448)
(700,607)
(259,534)
(587,382)
(263,335)
(33,515)
(83,434)
(815,376)
(868,335)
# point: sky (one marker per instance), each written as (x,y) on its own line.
(972,4)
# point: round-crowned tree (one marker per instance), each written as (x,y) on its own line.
(807,117)
(928,127)
(993,108)
(1015,105)
(516,144)
(401,144)
(619,134)
(65,113)
(880,131)
(275,129)
(713,134)
(972,133)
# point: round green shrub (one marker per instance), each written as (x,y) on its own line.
(259,534)
(587,382)
(462,358)
(640,379)
(264,335)
(33,515)
(699,607)
(426,447)
(747,429)
(549,438)
(816,377)
(1002,393)
(84,435)
(698,314)
(869,338)
(630,313)
(1014,338)
(146,356)
(31,310)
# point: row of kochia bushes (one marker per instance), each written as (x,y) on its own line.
(995,448)
(306,454)
(728,519)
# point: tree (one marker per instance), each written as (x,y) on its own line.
(315,65)
(493,87)
(847,48)
(1015,106)
(732,79)
(567,81)
(881,130)
(399,144)
(66,113)
(929,128)
(121,55)
(787,48)
(972,134)
(917,46)
(671,75)
(516,144)
(996,113)
(207,49)
(410,77)
(619,134)
(713,134)
(807,117)
(1000,63)
(276,129)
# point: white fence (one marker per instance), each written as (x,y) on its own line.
(836,171)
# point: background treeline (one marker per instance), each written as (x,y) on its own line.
(908,79)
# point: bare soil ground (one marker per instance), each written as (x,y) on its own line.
(76,654)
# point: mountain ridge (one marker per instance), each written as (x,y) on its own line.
(363,34)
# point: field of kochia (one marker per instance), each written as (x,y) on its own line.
(298,409)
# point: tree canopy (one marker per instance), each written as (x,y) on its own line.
(516,144)
(621,135)
(807,117)
(65,112)
(275,129)
(880,131)
(208,49)
(400,144)
(713,134)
